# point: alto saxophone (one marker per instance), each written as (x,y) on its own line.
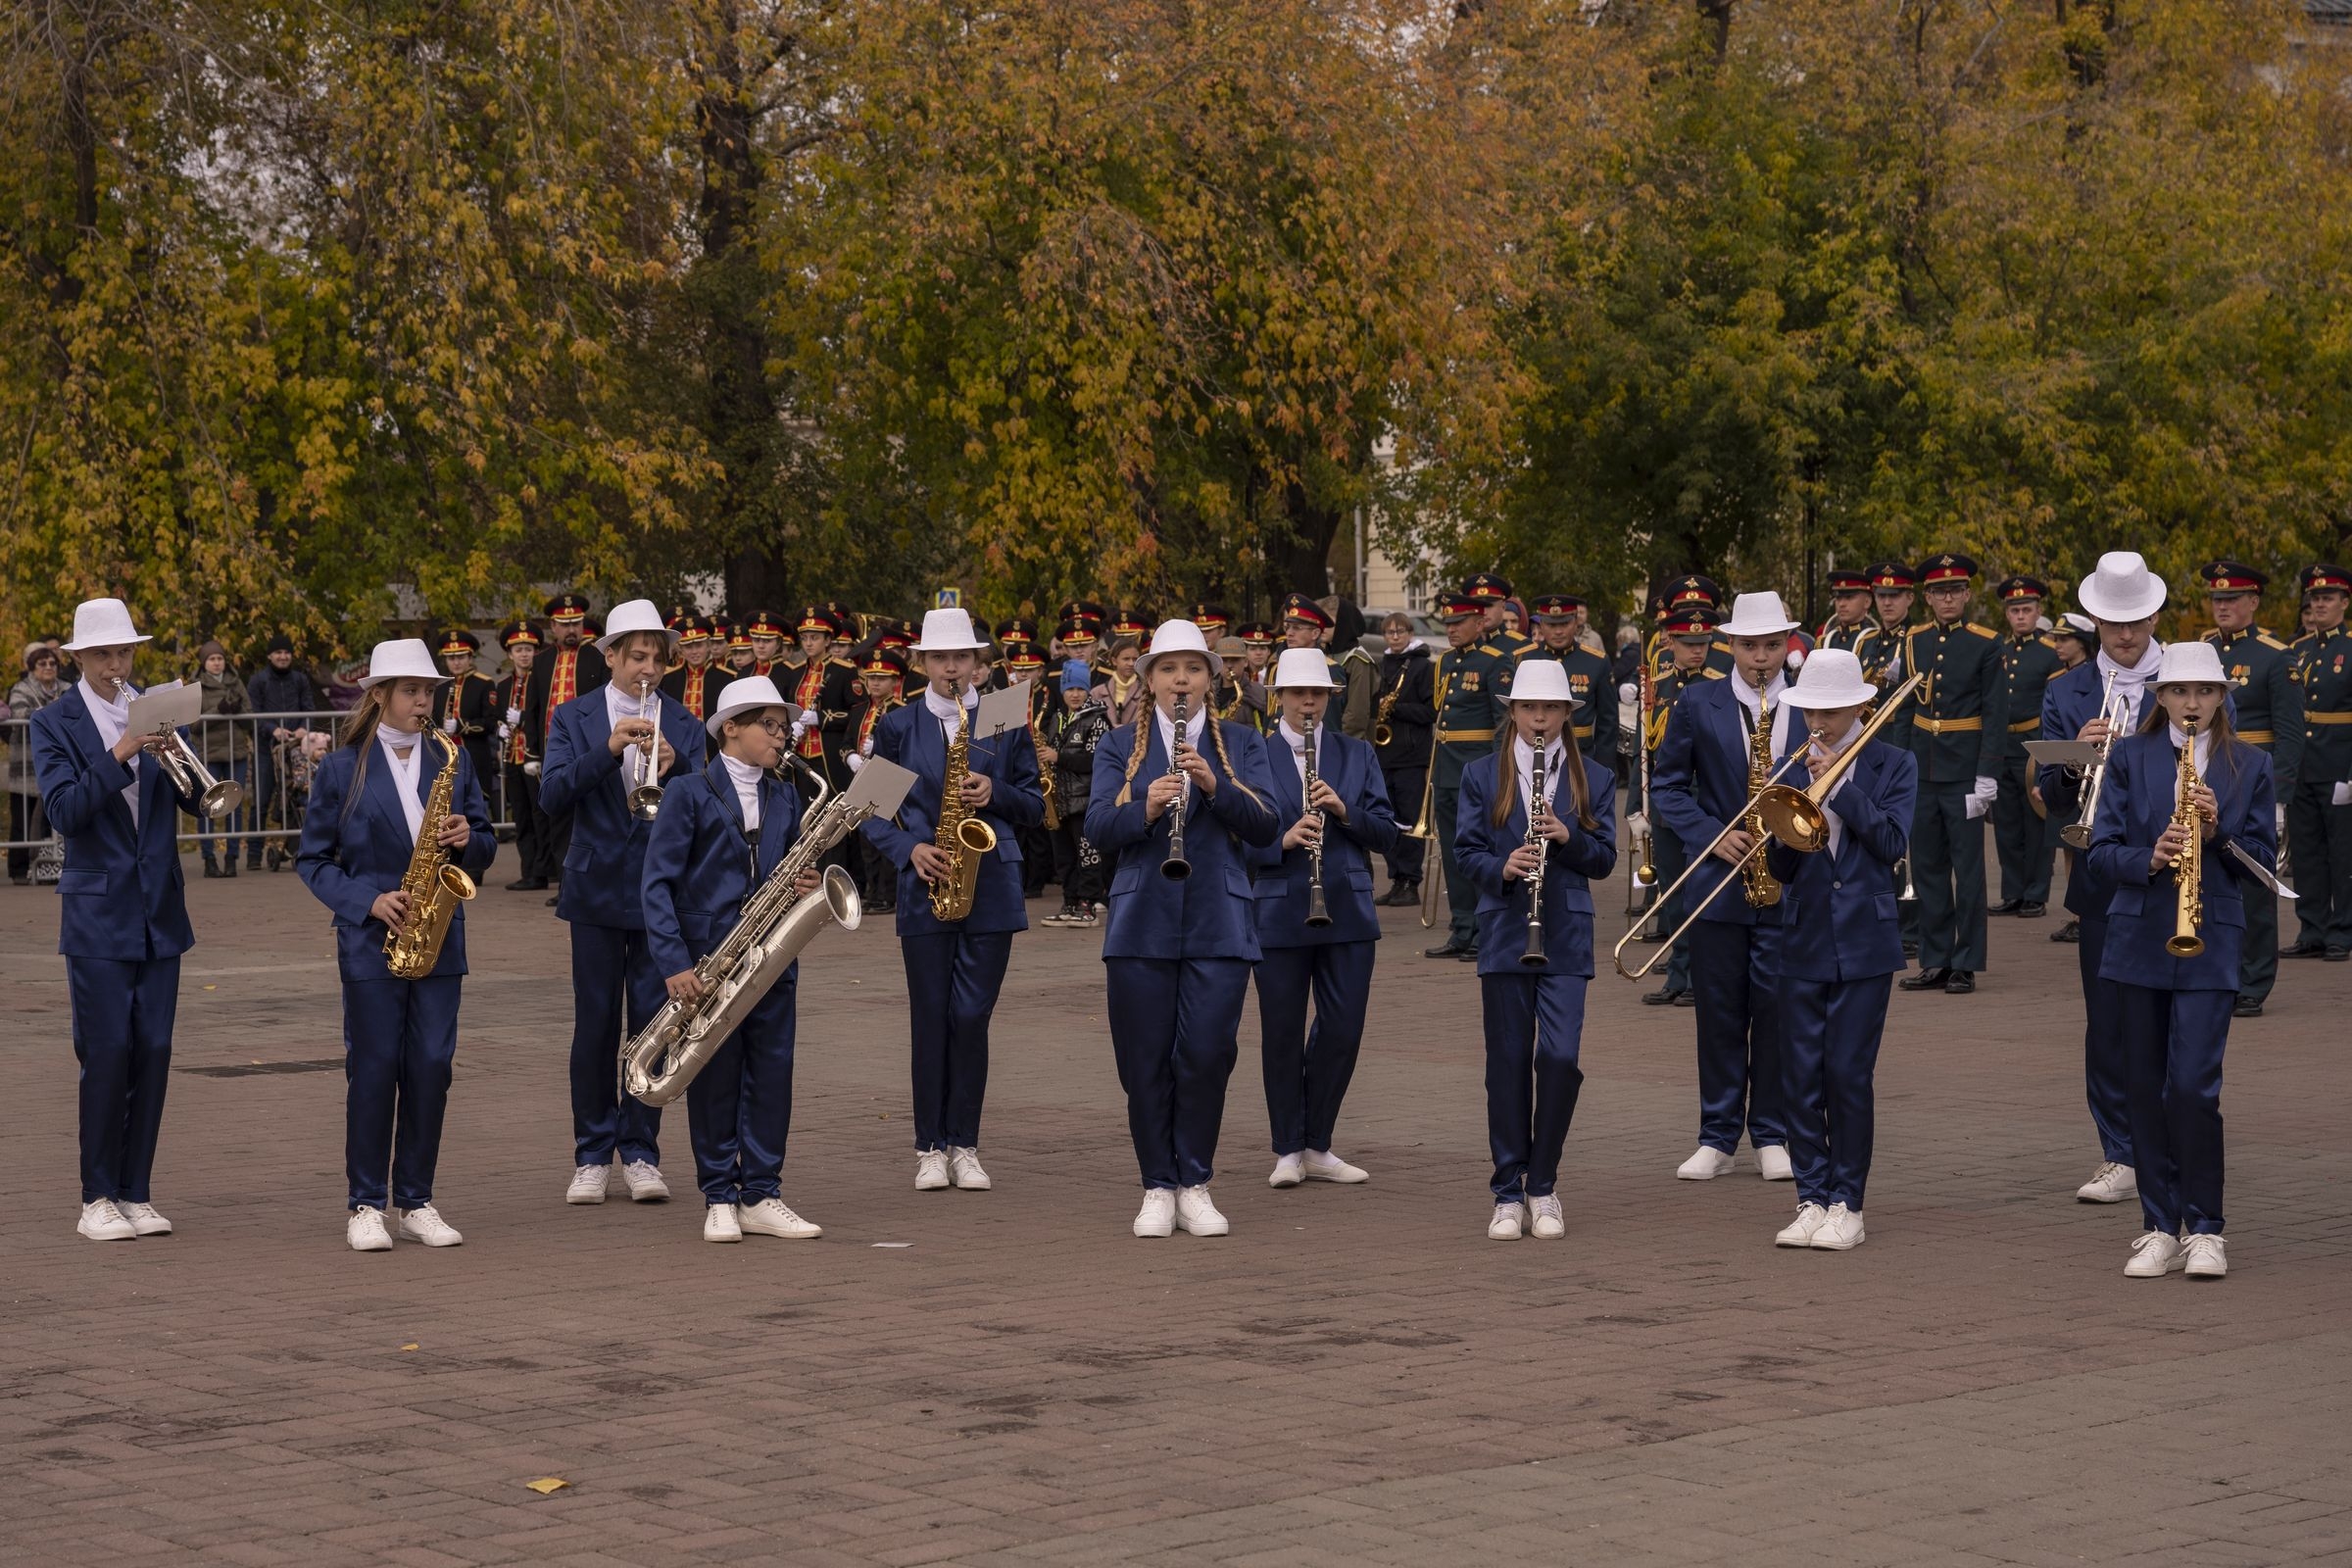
(436,885)
(962,837)
(2189,867)
(1383,732)
(1763,888)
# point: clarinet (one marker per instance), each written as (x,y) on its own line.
(1176,867)
(1317,912)
(1533,958)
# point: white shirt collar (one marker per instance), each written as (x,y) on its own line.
(1194,723)
(1523,756)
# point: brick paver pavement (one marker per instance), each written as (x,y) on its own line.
(1353,1376)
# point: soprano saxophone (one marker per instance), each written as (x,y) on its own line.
(2189,867)
(436,885)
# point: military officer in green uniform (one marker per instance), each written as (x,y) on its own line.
(1687,635)
(1474,678)
(1493,593)
(1893,588)
(2021,835)
(1850,625)
(2319,815)
(1593,722)
(2269,717)
(1688,593)
(1959,723)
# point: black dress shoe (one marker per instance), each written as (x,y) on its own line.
(528,884)
(2007,907)
(2247,1008)
(2304,950)
(1663,997)
(2032,911)
(1450,949)
(2337,954)
(2071,931)
(551,903)
(1925,980)
(1468,954)
(1960,983)
(1688,999)
(210,869)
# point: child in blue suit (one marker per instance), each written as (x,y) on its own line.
(1177,950)
(1842,948)
(124,916)
(954,969)
(400,1037)
(1533,1012)
(1306,1070)
(2175,1008)
(721,834)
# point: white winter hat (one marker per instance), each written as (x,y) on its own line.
(1757,615)
(635,616)
(401,658)
(102,623)
(2122,589)
(948,631)
(1182,637)
(1303,667)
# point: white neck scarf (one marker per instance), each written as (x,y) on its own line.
(746,778)
(2131,684)
(945,711)
(1753,699)
(2180,736)
(405,773)
(111,719)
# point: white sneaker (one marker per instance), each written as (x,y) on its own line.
(1703,1166)
(144,1220)
(1505,1225)
(1800,1230)
(425,1224)
(1549,1224)
(931,1170)
(2154,1255)
(1322,1166)
(1771,1163)
(1289,1171)
(721,1224)
(1842,1232)
(645,1185)
(1196,1214)
(769,1218)
(588,1184)
(2109,1184)
(366,1232)
(1157,1217)
(2208,1258)
(102,1221)
(964,1169)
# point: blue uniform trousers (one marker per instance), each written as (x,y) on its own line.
(951,982)
(122,1012)
(400,1038)
(1307,1066)
(2175,1040)
(1947,869)
(1535,1025)
(1735,974)
(2106,1062)
(1172,1028)
(615,993)
(1829,1054)
(739,1106)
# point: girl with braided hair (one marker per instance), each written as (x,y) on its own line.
(1177,952)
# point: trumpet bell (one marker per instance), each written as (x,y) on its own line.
(2075,835)
(644,802)
(1792,816)
(222,799)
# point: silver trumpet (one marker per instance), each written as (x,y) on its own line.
(644,775)
(215,797)
(2076,834)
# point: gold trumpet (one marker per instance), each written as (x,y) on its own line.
(1796,817)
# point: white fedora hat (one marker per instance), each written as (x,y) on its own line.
(1182,637)
(948,631)
(1542,680)
(1757,615)
(401,658)
(634,616)
(743,694)
(1303,667)
(102,623)
(2187,663)
(2123,588)
(1830,678)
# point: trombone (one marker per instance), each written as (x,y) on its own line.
(1425,825)
(1796,817)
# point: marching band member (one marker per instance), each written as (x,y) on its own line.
(1348,818)
(2268,715)
(696,683)
(720,833)
(1959,724)
(2123,596)
(1178,951)
(466,706)
(1534,1014)
(1026,662)
(1257,667)
(2021,838)
(741,655)
(1697,786)
(1689,637)
(518,763)
(565,672)
(1841,949)
(122,915)
(1407,687)
(1473,679)
(766,629)
(2319,815)
(954,967)
(823,690)
(882,680)
(595,756)
(2173,1009)
(400,1037)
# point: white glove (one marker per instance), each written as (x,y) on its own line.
(1627,692)
(856,759)
(2342,794)
(799,727)
(450,724)
(2279,826)
(1636,825)
(514,715)
(865,747)
(1980,799)
(1796,658)
(506,731)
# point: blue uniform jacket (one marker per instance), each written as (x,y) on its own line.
(351,855)
(1481,846)
(1698,781)
(698,870)
(2135,806)
(912,738)
(1353,769)
(1212,913)
(123,894)
(1838,915)
(603,870)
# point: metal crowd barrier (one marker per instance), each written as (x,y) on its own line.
(272,755)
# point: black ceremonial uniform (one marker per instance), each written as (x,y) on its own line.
(1472,684)
(2270,718)
(1408,689)
(2019,835)
(474,699)
(697,690)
